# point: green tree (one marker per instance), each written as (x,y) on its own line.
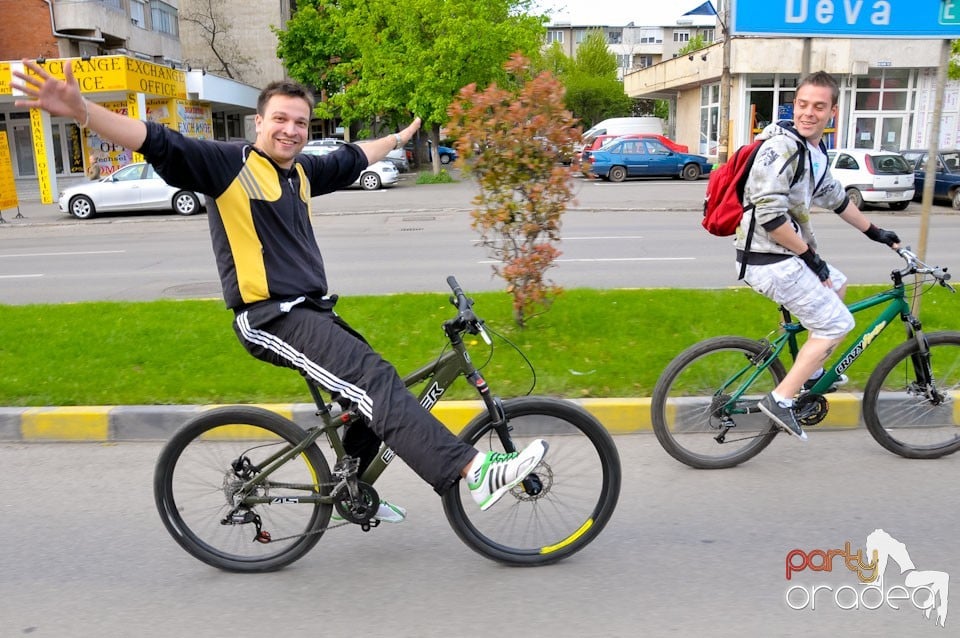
(694,44)
(953,68)
(593,90)
(397,58)
(509,138)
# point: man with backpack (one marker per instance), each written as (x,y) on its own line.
(776,244)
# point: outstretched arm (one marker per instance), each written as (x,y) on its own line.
(376,150)
(63,97)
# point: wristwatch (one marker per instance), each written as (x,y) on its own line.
(399,143)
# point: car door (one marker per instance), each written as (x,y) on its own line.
(120,191)
(631,156)
(154,192)
(660,160)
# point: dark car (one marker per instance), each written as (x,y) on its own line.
(947,182)
(625,158)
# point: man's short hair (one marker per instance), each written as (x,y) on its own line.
(822,78)
(283,87)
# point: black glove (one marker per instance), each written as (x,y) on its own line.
(814,263)
(887,237)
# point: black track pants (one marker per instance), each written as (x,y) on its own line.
(319,343)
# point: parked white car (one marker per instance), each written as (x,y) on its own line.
(134,187)
(377,175)
(873,177)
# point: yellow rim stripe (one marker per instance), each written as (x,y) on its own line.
(569,539)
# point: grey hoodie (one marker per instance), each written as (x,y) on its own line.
(769,188)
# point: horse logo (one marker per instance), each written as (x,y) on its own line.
(934,585)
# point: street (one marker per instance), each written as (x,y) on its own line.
(638,234)
(688,553)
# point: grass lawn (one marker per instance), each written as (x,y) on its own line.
(591,343)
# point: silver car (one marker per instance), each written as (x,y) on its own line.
(375,176)
(132,188)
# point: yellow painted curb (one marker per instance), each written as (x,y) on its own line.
(76,423)
(620,416)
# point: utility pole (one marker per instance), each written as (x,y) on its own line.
(726,86)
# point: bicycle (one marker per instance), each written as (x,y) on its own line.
(704,405)
(244,489)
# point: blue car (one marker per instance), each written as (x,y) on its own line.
(946,184)
(625,157)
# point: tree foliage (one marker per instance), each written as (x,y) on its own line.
(509,139)
(593,90)
(394,59)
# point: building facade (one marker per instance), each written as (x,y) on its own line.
(126,56)
(886,101)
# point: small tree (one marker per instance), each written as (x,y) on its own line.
(510,139)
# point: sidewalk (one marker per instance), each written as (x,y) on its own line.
(159,422)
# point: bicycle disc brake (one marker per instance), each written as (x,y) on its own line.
(810,409)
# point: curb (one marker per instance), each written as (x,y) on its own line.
(159,422)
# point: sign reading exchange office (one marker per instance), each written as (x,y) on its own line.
(118,73)
(847,18)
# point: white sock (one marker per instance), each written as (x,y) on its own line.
(786,403)
(817,374)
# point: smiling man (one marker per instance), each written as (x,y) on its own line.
(782,259)
(273,276)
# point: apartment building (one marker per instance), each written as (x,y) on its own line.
(637,47)
(127,56)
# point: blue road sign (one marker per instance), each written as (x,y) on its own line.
(847,18)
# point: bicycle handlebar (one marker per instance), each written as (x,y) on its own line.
(466,319)
(915,266)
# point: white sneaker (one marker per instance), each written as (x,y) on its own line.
(492,475)
(386,513)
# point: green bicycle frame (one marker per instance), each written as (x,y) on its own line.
(897,307)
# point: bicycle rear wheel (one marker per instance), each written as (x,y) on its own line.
(687,407)
(575,487)
(198,474)
(908,415)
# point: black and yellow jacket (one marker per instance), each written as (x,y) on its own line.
(259,213)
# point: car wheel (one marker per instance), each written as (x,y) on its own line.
(82,207)
(691,172)
(445,159)
(898,205)
(955,199)
(185,203)
(370,181)
(855,197)
(617,174)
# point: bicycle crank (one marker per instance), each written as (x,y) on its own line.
(359,509)
(810,409)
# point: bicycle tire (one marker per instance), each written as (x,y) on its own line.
(686,397)
(898,413)
(192,483)
(581,484)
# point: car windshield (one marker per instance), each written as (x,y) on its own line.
(889,164)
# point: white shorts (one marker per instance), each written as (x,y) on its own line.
(794,286)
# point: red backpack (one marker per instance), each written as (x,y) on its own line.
(723,205)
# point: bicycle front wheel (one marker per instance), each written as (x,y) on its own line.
(197,481)
(573,493)
(691,409)
(909,414)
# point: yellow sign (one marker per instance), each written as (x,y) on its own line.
(5,78)
(113,73)
(8,189)
(40,156)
